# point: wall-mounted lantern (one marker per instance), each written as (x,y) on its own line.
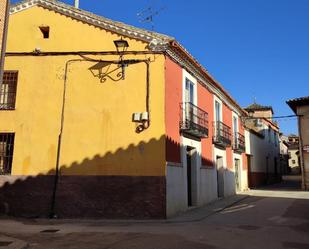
(121,46)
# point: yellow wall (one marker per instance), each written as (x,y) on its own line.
(66,34)
(99,136)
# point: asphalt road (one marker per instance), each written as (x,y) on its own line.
(275,217)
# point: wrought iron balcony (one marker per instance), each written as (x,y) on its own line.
(222,134)
(239,143)
(193,120)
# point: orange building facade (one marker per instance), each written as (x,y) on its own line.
(205,147)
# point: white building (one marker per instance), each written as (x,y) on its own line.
(263,149)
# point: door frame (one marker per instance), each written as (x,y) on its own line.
(195,167)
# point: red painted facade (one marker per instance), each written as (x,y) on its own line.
(173,98)
(205,101)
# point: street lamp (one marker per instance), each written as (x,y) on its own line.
(121,46)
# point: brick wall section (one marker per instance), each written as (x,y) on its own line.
(2,18)
(3,7)
(84,196)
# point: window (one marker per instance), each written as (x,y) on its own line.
(189,94)
(45,31)
(293,161)
(275,138)
(6,152)
(269,134)
(8,90)
(218,111)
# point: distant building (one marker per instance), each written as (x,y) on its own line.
(284,154)
(293,139)
(300,106)
(293,151)
(4,6)
(263,154)
(294,160)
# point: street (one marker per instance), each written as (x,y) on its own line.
(275,217)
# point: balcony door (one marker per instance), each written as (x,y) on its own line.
(217,111)
(189,91)
(189,99)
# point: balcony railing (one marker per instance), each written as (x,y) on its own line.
(239,143)
(193,120)
(222,134)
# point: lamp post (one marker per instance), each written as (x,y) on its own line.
(121,46)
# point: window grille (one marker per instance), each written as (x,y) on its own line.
(8,90)
(6,152)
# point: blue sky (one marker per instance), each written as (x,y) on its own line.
(256,48)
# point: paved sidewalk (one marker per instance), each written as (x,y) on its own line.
(201,213)
(192,215)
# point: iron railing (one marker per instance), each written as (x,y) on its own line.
(6,152)
(239,142)
(221,134)
(193,120)
(8,90)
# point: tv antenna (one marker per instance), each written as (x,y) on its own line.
(147,15)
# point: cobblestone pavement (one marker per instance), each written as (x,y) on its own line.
(274,217)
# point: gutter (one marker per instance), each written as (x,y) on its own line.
(205,73)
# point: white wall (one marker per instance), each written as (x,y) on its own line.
(205,181)
(176,198)
(260,148)
(208,182)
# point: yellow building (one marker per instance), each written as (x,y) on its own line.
(87,127)
(63,91)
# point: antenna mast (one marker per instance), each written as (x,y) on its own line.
(147,15)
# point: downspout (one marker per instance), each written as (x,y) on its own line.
(3,49)
(55,187)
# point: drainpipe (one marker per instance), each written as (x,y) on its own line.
(76,4)
(3,49)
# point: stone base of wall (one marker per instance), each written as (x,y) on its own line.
(258,179)
(84,196)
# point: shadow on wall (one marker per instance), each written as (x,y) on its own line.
(173,153)
(105,196)
(265,165)
(109,196)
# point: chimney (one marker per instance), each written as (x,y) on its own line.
(76,3)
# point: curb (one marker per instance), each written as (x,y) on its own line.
(194,215)
(209,209)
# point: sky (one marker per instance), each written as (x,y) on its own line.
(257,49)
